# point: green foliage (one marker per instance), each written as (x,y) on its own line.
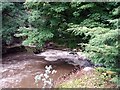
(33,36)
(57,16)
(116,80)
(11,20)
(109,74)
(102,46)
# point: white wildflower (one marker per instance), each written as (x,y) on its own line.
(43,79)
(41,75)
(50,79)
(45,83)
(48,67)
(54,71)
(37,77)
(48,82)
(46,76)
(47,71)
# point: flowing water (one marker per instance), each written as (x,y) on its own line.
(19,69)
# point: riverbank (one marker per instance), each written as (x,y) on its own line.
(86,79)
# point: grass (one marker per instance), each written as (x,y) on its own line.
(92,79)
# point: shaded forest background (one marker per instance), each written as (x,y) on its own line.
(90,26)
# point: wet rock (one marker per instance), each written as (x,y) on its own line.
(100,65)
(87,69)
(74,58)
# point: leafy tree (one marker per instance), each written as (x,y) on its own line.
(11,20)
(54,18)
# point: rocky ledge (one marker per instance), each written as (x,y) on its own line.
(74,58)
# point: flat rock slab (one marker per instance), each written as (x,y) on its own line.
(54,55)
(58,55)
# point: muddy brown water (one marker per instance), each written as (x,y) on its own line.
(19,69)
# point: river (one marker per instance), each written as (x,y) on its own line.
(19,69)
